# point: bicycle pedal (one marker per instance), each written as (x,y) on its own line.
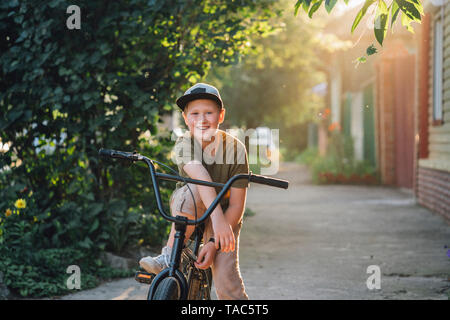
(144,277)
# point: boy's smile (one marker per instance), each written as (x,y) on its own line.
(203,117)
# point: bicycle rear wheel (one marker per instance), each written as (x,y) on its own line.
(168,289)
(199,284)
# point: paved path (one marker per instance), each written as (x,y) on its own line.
(316,242)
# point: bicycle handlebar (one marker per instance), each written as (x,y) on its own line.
(268,181)
(137,157)
(118,154)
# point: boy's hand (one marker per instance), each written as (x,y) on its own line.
(223,232)
(206,256)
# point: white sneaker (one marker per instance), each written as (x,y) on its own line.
(156,264)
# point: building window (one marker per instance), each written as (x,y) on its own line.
(438,68)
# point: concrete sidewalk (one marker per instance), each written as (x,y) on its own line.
(316,242)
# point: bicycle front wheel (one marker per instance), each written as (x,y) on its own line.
(168,289)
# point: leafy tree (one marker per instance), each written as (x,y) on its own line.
(271,86)
(66,93)
(409,11)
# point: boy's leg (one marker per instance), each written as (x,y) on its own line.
(182,204)
(225,270)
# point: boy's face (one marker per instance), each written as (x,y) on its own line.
(203,117)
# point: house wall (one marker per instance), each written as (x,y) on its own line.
(433,178)
(385,121)
(439,135)
(395,111)
(405,89)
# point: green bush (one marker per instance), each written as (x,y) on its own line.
(31,269)
(308,156)
(339,164)
(64,94)
(43,273)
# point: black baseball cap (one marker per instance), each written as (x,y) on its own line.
(200,91)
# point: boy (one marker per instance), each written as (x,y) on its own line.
(217,156)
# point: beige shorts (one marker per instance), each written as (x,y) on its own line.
(225,268)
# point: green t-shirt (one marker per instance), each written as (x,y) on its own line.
(229,159)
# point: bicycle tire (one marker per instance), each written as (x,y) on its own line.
(209,280)
(168,289)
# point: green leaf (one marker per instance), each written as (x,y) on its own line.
(86,243)
(22,36)
(406,22)
(95,208)
(314,8)
(18,19)
(57,225)
(53,3)
(89,196)
(13,115)
(418,6)
(94,226)
(381,18)
(74,186)
(359,60)
(297,6)
(86,96)
(395,9)
(329,5)
(96,56)
(410,10)
(306,4)
(361,13)
(105,49)
(371,50)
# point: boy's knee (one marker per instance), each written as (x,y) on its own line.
(187,202)
(184,214)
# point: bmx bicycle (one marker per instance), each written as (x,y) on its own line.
(182,280)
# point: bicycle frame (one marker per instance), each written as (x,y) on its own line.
(201,279)
(182,222)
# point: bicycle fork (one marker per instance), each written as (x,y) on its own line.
(175,260)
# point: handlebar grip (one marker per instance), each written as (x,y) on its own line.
(117,154)
(269,181)
(105,152)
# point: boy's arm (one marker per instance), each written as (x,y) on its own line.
(222,230)
(233,215)
(236,206)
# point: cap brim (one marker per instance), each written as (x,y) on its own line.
(183,101)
